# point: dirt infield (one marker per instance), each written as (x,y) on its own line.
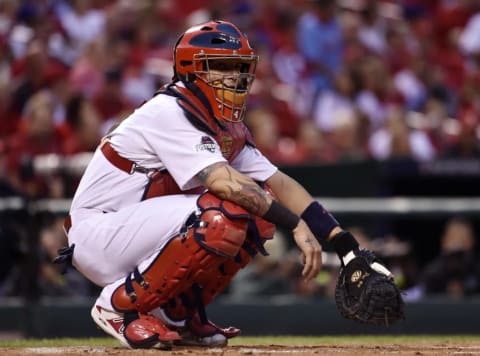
(411,349)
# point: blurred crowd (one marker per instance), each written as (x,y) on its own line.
(454,271)
(337,81)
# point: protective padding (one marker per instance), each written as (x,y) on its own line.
(215,237)
(266,230)
(213,283)
(146,331)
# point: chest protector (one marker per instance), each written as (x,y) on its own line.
(230,136)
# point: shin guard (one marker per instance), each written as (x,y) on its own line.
(215,236)
(259,232)
(188,303)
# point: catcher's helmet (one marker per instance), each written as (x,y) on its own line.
(218,59)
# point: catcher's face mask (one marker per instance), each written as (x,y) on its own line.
(217,57)
(231,80)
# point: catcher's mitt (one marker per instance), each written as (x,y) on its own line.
(365,291)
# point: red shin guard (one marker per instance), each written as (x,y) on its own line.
(215,237)
(184,306)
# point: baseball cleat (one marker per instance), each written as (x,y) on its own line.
(110,322)
(149,332)
(145,332)
(196,333)
(191,339)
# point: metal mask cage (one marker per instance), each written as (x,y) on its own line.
(202,65)
(230,89)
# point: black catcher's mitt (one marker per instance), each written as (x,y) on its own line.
(365,291)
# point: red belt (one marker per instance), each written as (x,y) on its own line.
(67,224)
(118,161)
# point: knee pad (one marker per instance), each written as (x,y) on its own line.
(212,237)
(212,284)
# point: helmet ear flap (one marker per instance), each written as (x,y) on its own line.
(188,77)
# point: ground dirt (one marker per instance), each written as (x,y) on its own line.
(357,349)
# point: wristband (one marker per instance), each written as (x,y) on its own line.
(319,220)
(343,243)
(281,216)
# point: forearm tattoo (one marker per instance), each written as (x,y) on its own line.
(236,188)
(205,173)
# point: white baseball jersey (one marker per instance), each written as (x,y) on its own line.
(112,229)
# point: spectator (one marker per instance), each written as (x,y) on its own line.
(82,132)
(12,232)
(86,75)
(409,82)
(450,15)
(320,41)
(109,101)
(372,32)
(376,92)
(271,90)
(346,139)
(398,141)
(467,142)
(397,254)
(81,22)
(28,75)
(265,131)
(53,281)
(456,271)
(339,98)
(35,137)
(469,44)
(314,145)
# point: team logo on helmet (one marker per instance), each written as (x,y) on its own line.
(206,144)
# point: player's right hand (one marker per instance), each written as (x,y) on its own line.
(311,250)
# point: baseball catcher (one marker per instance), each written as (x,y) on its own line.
(177,199)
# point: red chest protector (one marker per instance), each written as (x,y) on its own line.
(230,136)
